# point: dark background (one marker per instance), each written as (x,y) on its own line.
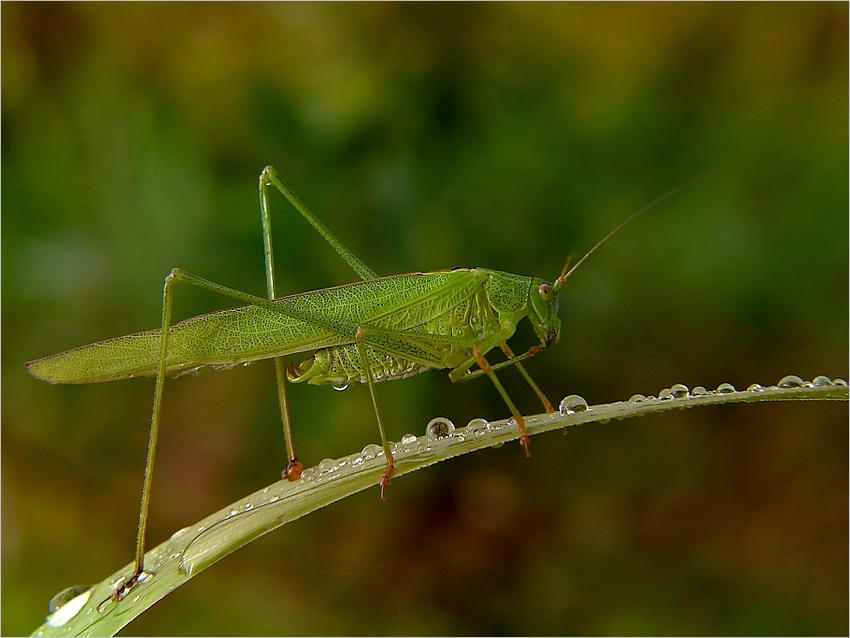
(430,136)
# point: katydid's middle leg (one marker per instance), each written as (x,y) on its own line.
(547,404)
(524,439)
(385,443)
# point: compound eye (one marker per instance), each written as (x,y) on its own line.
(545,291)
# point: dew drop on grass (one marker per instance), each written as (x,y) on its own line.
(477,427)
(178,534)
(371,451)
(790,381)
(572,404)
(65,605)
(821,380)
(408,440)
(726,388)
(680,391)
(439,428)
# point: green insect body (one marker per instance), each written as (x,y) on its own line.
(459,307)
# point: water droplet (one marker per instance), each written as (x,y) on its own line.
(144,577)
(189,568)
(326,466)
(496,446)
(839,383)
(756,387)
(680,391)
(371,451)
(726,388)
(477,427)
(340,387)
(248,507)
(308,475)
(65,596)
(572,405)
(439,428)
(179,534)
(821,380)
(637,398)
(274,499)
(790,381)
(67,604)
(699,391)
(665,395)
(408,439)
(233,512)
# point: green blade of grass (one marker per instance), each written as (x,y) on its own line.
(94,611)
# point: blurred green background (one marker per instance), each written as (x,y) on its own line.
(431,136)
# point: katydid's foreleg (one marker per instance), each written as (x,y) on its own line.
(385,443)
(547,405)
(294,467)
(524,439)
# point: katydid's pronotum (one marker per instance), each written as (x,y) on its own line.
(378,329)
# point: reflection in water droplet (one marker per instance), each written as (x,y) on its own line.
(67,604)
(326,466)
(477,427)
(65,596)
(248,507)
(309,474)
(340,387)
(439,428)
(665,395)
(572,404)
(408,439)
(699,391)
(371,451)
(680,391)
(637,398)
(839,383)
(790,381)
(756,387)
(726,388)
(821,380)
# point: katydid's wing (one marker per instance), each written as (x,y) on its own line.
(307,321)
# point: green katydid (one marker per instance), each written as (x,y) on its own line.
(377,329)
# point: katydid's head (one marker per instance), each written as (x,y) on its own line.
(545,304)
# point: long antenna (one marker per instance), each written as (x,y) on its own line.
(566,273)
